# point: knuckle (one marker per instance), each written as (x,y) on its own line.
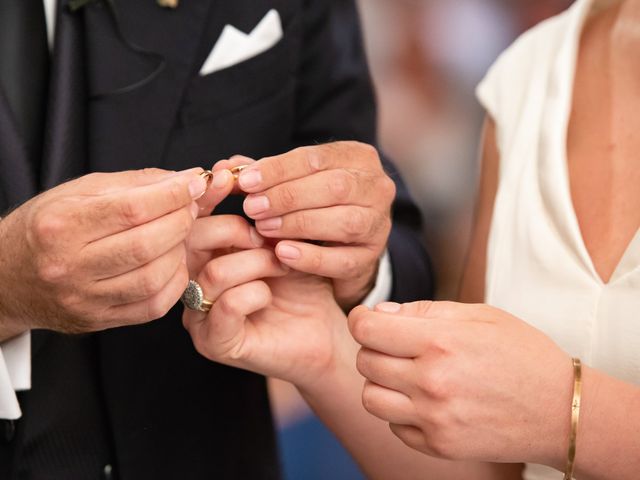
(213,273)
(177,194)
(350,267)
(227,306)
(71,302)
(384,224)
(362,330)
(185,224)
(368,399)
(278,167)
(236,224)
(316,261)
(362,363)
(356,225)
(341,185)
(157,307)
(388,188)
(301,222)
(150,283)
(314,158)
(368,150)
(287,197)
(139,251)
(435,384)
(51,271)
(440,442)
(46,227)
(132,212)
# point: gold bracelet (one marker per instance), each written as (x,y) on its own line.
(575,417)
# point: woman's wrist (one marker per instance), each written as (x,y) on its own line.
(340,375)
(551,442)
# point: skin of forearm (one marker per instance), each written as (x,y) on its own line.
(608,444)
(9,327)
(381,455)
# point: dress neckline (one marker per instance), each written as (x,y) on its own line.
(565,67)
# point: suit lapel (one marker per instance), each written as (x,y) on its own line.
(17,179)
(130,131)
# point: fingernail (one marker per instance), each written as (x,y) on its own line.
(221,179)
(256,238)
(255,205)
(270,224)
(195,210)
(288,252)
(197,187)
(250,178)
(388,307)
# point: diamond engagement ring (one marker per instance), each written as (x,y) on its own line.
(193,298)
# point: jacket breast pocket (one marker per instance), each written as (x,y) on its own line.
(245,84)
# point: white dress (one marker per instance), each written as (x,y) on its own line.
(538,267)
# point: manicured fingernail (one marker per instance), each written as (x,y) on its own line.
(254,205)
(250,178)
(195,210)
(197,187)
(256,238)
(388,307)
(221,179)
(270,224)
(288,252)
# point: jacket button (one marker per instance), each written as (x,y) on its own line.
(7,430)
(108,473)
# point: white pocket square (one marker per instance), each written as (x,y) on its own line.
(234,46)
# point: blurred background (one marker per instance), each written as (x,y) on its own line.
(426,58)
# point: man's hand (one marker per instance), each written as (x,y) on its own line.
(101,251)
(335,195)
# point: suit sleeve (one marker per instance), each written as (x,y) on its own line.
(335,101)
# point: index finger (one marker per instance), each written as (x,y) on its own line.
(299,163)
(106,215)
(104,183)
(391,334)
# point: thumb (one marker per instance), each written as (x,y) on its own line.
(448,311)
(233,164)
(414,309)
(219,188)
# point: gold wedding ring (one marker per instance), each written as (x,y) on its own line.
(235,171)
(206,305)
(207,175)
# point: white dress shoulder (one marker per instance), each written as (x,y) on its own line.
(538,267)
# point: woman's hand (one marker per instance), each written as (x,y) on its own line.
(465,382)
(266,318)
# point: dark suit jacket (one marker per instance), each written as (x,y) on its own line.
(171,413)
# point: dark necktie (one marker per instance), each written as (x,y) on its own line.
(24,68)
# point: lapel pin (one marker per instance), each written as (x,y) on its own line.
(168,3)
